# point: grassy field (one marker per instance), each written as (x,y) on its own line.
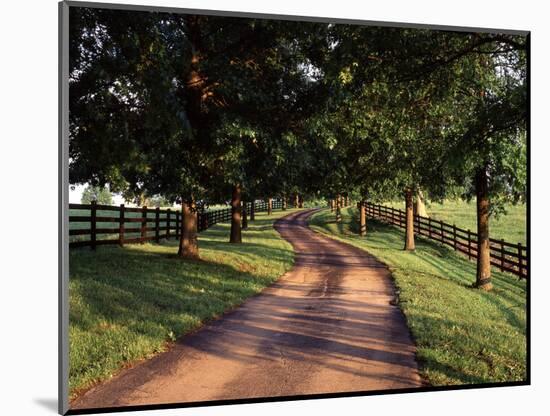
(127,304)
(512,226)
(463,335)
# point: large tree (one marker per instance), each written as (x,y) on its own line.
(101,195)
(484,131)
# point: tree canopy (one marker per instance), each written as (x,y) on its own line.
(191,107)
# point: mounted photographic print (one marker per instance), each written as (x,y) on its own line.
(264,208)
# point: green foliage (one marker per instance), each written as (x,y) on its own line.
(463,335)
(425,109)
(157,201)
(186,105)
(99,194)
(315,203)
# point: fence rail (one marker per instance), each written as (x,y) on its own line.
(507,257)
(138,225)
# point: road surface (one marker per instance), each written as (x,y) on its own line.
(326,326)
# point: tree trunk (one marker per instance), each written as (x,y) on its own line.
(245,219)
(338,212)
(253,210)
(194,91)
(346,201)
(295,203)
(300,201)
(236,209)
(331,204)
(284,206)
(409,231)
(269,206)
(362,219)
(420,206)
(139,199)
(483,277)
(188,247)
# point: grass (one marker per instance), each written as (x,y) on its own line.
(512,226)
(128,304)
(463,335)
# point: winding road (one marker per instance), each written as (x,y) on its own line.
(326,326)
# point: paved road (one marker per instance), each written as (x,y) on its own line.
(326,326)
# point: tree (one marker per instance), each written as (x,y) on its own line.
(424,89)
(236,210)
(101,195)
(259,124)
(197,108)
(157,201)
(419,205)
(128,126)
(157,109)
(485,145)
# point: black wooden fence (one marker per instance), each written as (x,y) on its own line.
(108,224)
(512,258)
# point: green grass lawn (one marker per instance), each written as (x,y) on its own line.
(512,226)
(127,304)
(463,335)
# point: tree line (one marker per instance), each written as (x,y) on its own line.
(206,108)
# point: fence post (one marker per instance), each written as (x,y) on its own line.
(202,222)
(177,225)
(93,224)
(454,236)
(157,224)
(400,219)
(121,226)
(520,260)
(429,227)
(143,224)
(168,224)
(502,258)
(469,244)
(442,231)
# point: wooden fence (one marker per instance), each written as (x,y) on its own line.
(507,257)
(138,225)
